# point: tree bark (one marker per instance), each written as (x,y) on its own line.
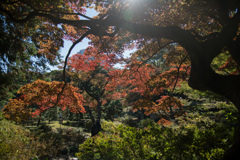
(96,128)
(39,120)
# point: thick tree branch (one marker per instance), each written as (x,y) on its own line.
(70,50)
(234,49)
(203,38)
(55,20)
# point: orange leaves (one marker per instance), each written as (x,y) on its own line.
(175,55)
(164,122)
(166,102)
(139,78)
(50,40)
(114,78)
(17,110)
(71,33)
(44,95)
(174,73)
(145,87)
(135,75)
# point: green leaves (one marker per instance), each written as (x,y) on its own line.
(158,142)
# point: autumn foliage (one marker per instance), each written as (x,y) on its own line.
(17,110)
(142,80)
(43,95)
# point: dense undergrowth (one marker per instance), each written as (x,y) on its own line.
(205,131)
(203,139)
(39,143)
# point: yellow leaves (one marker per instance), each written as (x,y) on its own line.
(17,111)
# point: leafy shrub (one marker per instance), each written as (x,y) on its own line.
(159,142)
(45,128)
(73,136)
(108,127)
(51,142)
(1,115)
(129,120)
(15,142)
(145,123)
(87,124)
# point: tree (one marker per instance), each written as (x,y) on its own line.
(89,72)
(145,87)
(43,96)
(17,110)
(203,28)
(27,48)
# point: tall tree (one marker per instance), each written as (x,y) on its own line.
(204,28)
(92,78)
(26,48)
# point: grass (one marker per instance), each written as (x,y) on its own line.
(55,126)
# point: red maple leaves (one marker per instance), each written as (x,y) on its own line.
(45,95)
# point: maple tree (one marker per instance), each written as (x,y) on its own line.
(43,95)
(17,110)
(203,28)
(89,72)
(144,88)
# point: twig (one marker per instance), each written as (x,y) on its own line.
(178,74)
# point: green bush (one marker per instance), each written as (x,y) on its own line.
(108,126)
(73,135)
(145,123)
(129,120)
(87,124)
(51,142)
(15,142)
(158,142)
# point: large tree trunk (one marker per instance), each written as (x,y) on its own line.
(39,119)
(96,128)
(233,153)
(203,78)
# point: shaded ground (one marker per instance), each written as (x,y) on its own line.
(67,136)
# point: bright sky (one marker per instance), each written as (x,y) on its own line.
(82,45)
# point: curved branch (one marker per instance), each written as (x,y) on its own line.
(70,50)
(65,64)
(234,49)
(55,20)
(203,38)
